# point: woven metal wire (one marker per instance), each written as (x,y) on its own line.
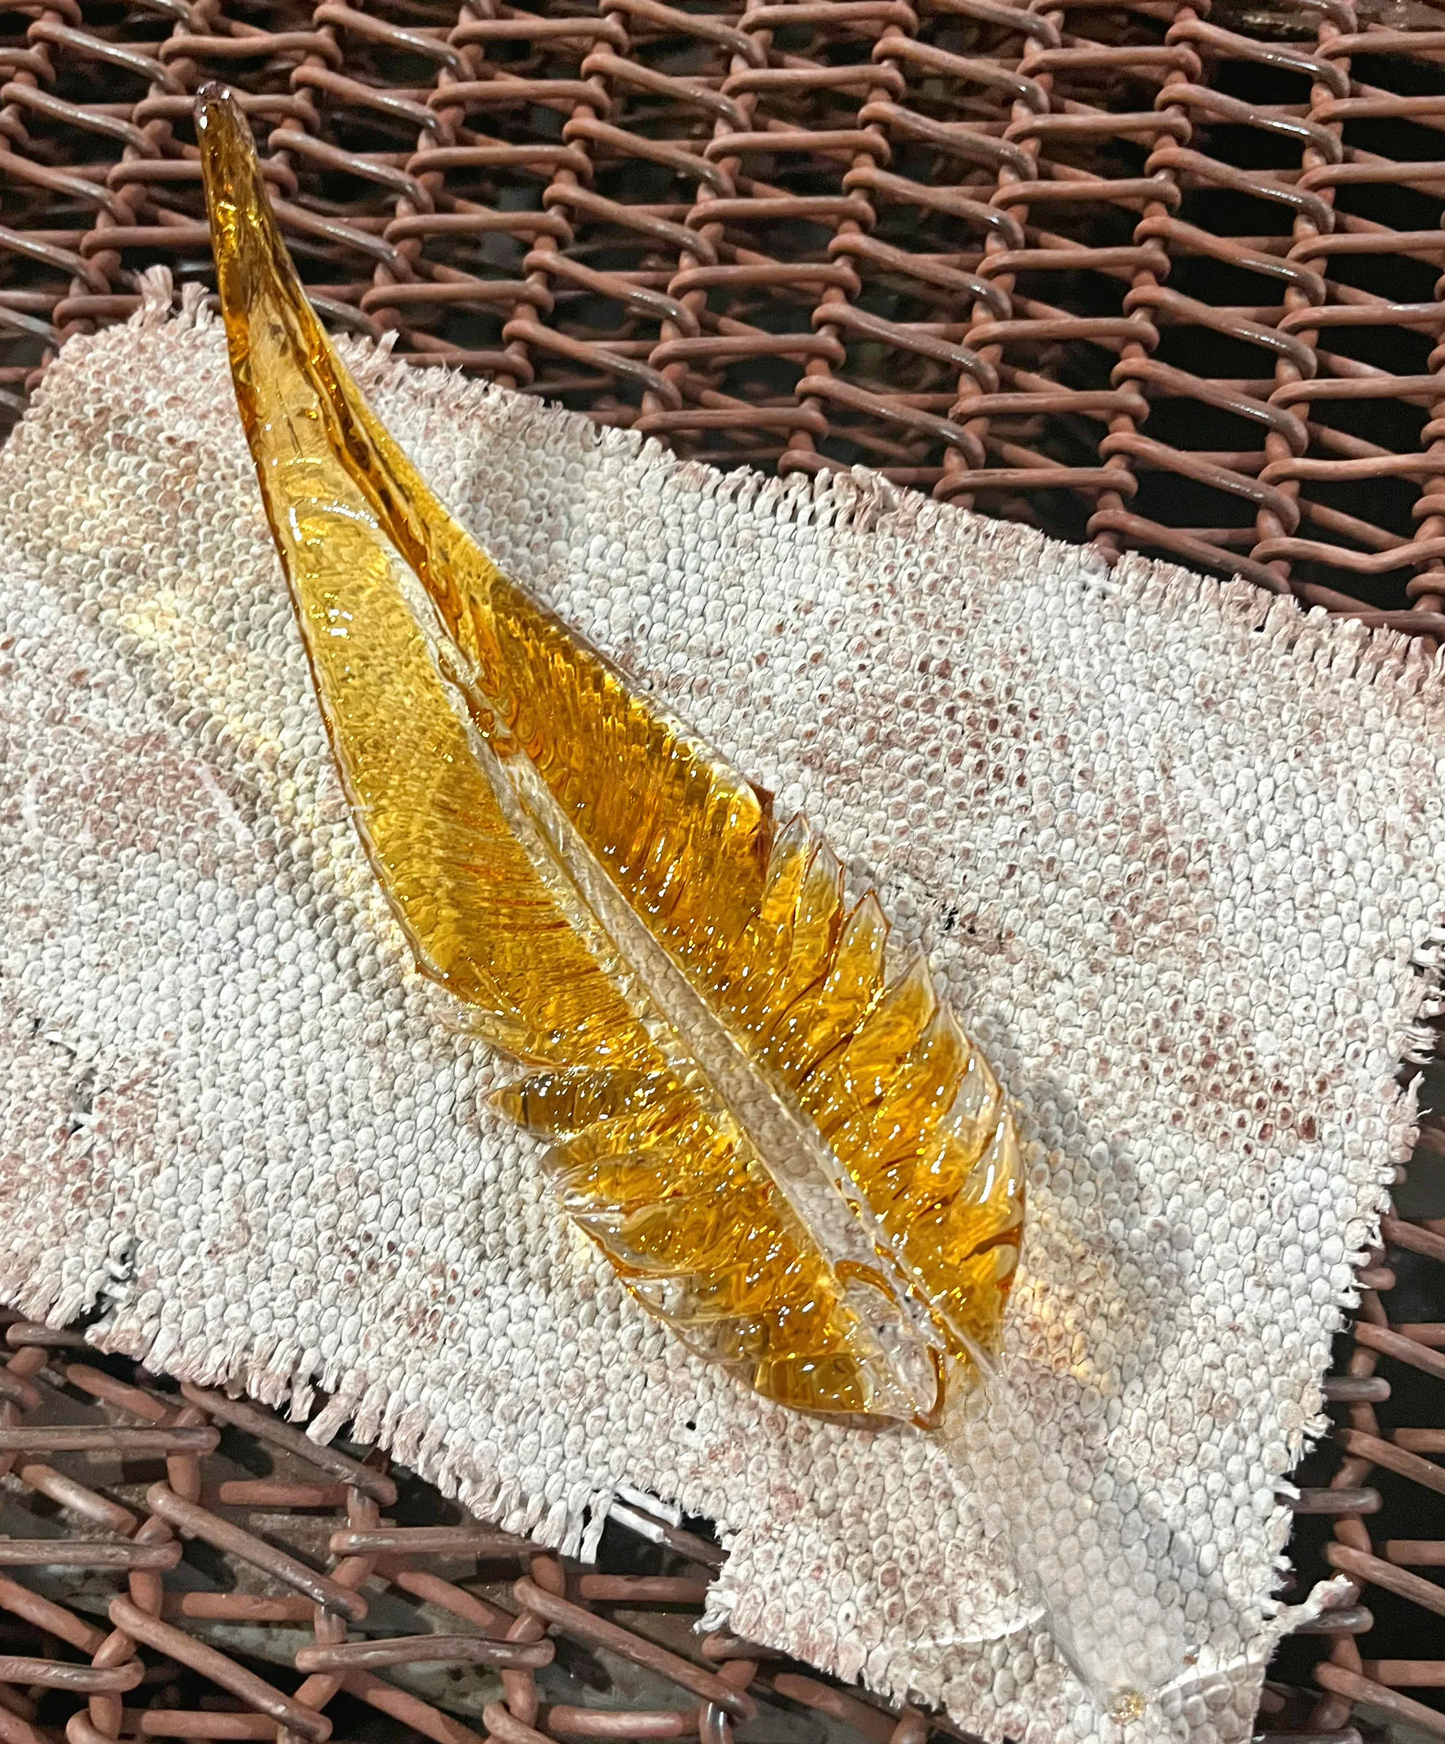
(1144,272)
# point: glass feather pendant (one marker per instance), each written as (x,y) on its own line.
(779,1135)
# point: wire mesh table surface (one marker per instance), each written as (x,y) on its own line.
(1165,276)
(1141,271)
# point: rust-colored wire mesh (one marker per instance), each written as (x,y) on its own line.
(1144,272)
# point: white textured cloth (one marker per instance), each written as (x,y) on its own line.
(1177,850)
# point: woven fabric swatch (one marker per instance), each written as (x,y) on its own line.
(1176,850)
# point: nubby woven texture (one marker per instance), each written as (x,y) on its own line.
(251,1138)
(1146,272)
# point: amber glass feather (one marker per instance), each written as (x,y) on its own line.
(778,1134)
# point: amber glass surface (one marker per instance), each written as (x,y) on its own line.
(768,1120)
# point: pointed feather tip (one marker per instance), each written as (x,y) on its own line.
(244,237)
(213,96)
(220,126)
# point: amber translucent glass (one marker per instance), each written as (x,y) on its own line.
(778,1134)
